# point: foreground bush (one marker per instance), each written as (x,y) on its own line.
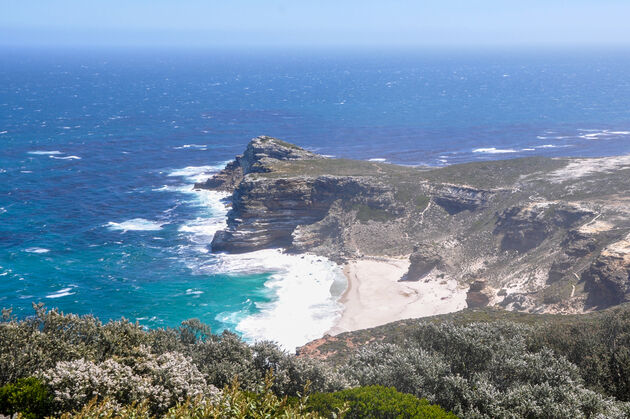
(231,403)
(39,343)
(567,369)
(28,396)
(482,370)
(160,381)
(374,401)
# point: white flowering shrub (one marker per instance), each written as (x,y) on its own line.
(161,380)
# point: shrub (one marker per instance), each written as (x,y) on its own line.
(481,370)
(28,396)
(160,380)
(374,402)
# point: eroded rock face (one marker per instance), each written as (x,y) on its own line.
(479,294)
(265,212)
(608,277)
(524,228)
(422,261)
(455,199)
(227,179)
(579,244)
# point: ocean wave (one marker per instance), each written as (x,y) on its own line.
(586,134)
(494,150)
(201,230)
(193,146)
(378,159)
(173,188)
(597,134)
(304,291)
(36,250)
(45,152)
(61,293)
(135,224)
(195,174)
(66,158)
(558,137)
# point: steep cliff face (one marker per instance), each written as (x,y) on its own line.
(543,233)
(608,277)
(266,212)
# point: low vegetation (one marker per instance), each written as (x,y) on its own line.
(476,364)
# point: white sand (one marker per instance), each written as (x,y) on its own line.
(376,296)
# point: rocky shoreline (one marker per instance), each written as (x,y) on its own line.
(536,234)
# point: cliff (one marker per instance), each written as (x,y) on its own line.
(533,234)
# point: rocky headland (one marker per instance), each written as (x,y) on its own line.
(536,234)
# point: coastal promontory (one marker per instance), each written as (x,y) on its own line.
(531,234)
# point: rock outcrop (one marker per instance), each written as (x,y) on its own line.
(479,294)
(422,261)
(260,154)
(608,277)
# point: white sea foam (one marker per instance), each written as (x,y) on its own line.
(304,288)
(196,174)
(135,224)
(378,159)
(61,293)
(546,146)
(193,146)
(66,158)
(494,150)
(597,134)
(304,291)
(36,250)
(45,152)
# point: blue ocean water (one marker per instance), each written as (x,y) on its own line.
(99,150)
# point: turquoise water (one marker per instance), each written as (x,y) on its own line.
(99,150)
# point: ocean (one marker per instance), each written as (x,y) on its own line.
(99,151)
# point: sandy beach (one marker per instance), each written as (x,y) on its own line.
(376,295)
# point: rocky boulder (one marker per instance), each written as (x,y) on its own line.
(422,261)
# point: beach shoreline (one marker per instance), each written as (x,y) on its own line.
(376,294)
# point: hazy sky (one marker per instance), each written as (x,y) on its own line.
(315,23)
